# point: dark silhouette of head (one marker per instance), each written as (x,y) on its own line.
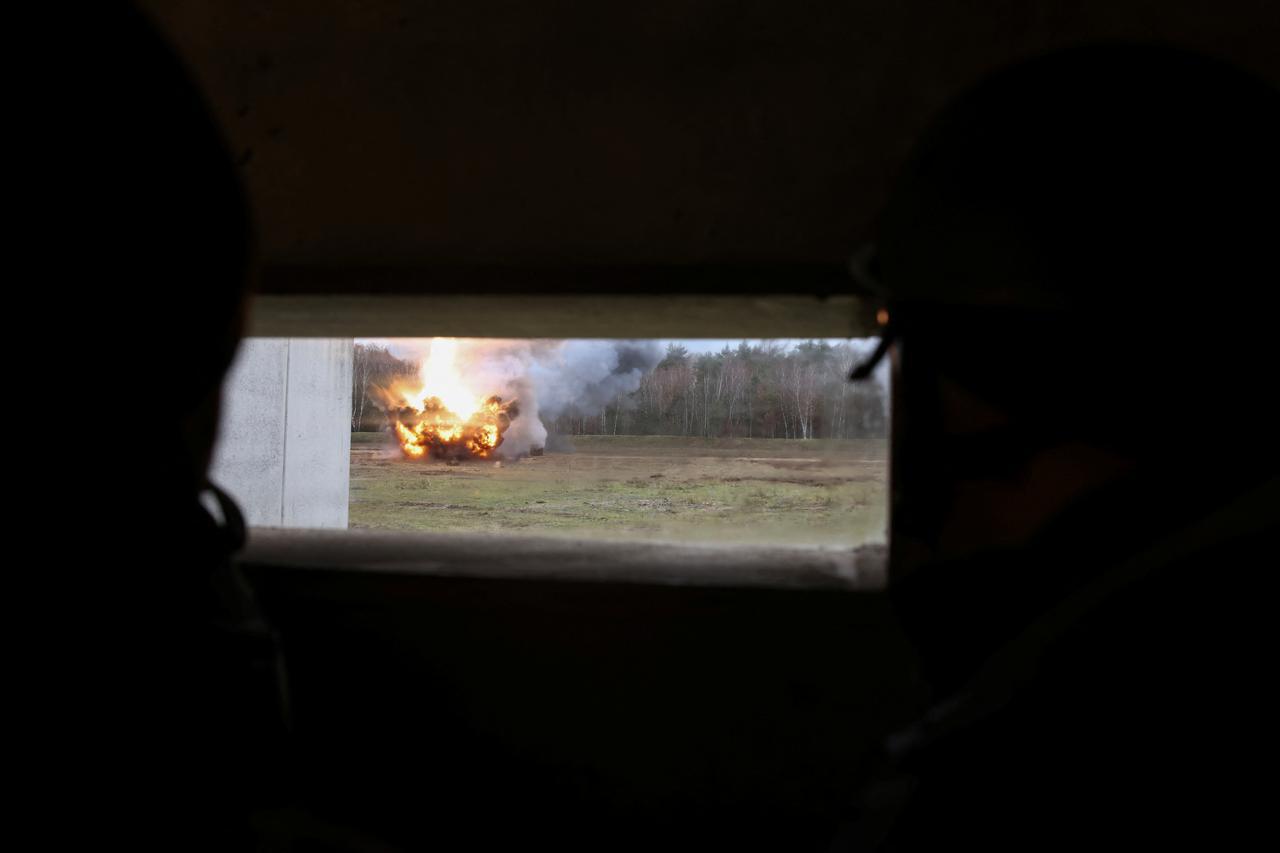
(1079,264)
(160,212)
(143,681)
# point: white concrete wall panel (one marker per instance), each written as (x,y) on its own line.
(317,461)
(249,458)
(284,445)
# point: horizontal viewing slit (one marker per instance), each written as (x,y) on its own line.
(760,442)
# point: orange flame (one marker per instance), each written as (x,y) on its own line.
(439,417)
(436,432)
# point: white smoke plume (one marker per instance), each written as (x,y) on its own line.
(553,377)
(547,377)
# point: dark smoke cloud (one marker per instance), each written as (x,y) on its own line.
(586,375)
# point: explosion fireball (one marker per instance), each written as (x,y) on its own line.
(439,416)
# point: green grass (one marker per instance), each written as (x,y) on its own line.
(672,488)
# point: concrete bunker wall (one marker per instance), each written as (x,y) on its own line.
(284,445)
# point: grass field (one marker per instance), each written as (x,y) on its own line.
(822,492)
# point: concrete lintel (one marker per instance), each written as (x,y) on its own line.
(575,560)
(562,316)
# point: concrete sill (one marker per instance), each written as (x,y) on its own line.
(573,560)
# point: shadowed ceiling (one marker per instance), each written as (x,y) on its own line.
(586,135)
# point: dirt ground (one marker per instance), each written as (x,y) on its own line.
(821,492)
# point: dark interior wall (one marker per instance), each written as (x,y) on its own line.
(434,707)
(422,134)
(574,136)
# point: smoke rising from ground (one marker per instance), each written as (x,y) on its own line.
(550,378)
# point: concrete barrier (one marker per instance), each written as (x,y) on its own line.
(284,447)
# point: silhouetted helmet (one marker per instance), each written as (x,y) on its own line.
(160,205)
(1101,180)
(1085,244)
(1085,237)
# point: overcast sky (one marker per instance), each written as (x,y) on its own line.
(716,344)
(401,349)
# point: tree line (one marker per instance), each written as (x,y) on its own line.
(754,391)
(763,390)
(373,366)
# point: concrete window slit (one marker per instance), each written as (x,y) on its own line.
(544,444)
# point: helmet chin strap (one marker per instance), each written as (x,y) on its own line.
(225,514)
(864,369)
(864,268)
